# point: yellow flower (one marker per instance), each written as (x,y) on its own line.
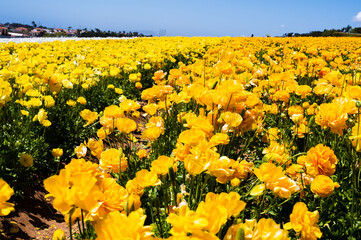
(281,95)
(5,193)
(231,201)
(24,112)
(133,77)
(138,85)
(332,115)
(219,138)
(79,189)
(264,229)
(191,137)
(147,66)
(301,220)
(67,84)
(57,152)
(356,136)
(88,116)
(26,160)
(113,111)
(95,146)
(162,164)
(152,133)
(118,91)
(268,172)
(125,125)
(323,186)
(49,101)
(151,109)
(80,150)
(118,225)
(71,103)
(81,100)
(320,160)
(58,234)
(42,117)
(113,159)
(114,198)
(233,120)
(142,153)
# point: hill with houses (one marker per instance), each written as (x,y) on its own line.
(25,30)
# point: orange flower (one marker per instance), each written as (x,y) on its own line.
(323,186)
(301,220)
(142,153)
(331,115)
(125,125)
(151,109)
(162,164)
(146,178)
(152,133)
(320,160)
(303,90)
(113,111)
(281,95)
(268,172)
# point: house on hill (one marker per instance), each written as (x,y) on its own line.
(36,32)
(56,30)
(21,30)
(3,31)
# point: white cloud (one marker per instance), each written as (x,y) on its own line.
(357,18)
(283,26)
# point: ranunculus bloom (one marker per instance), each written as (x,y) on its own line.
(323,186)
(301,220)
(320,160)
(58,234)
(125,125)
(26,160)
(5,193)
(81,100)
(281,95)
(88,116)
(162,164)
(331,115)
(57,152)
(264,229)
(118,225)
(113,159)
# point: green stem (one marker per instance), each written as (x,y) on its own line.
(70,228)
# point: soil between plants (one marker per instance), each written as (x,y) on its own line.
(34,216)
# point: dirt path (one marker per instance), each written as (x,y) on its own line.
(34,216)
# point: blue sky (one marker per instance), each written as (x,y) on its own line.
(186,17)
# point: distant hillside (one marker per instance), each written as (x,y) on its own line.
(343,32)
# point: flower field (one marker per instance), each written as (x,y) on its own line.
(186,138)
